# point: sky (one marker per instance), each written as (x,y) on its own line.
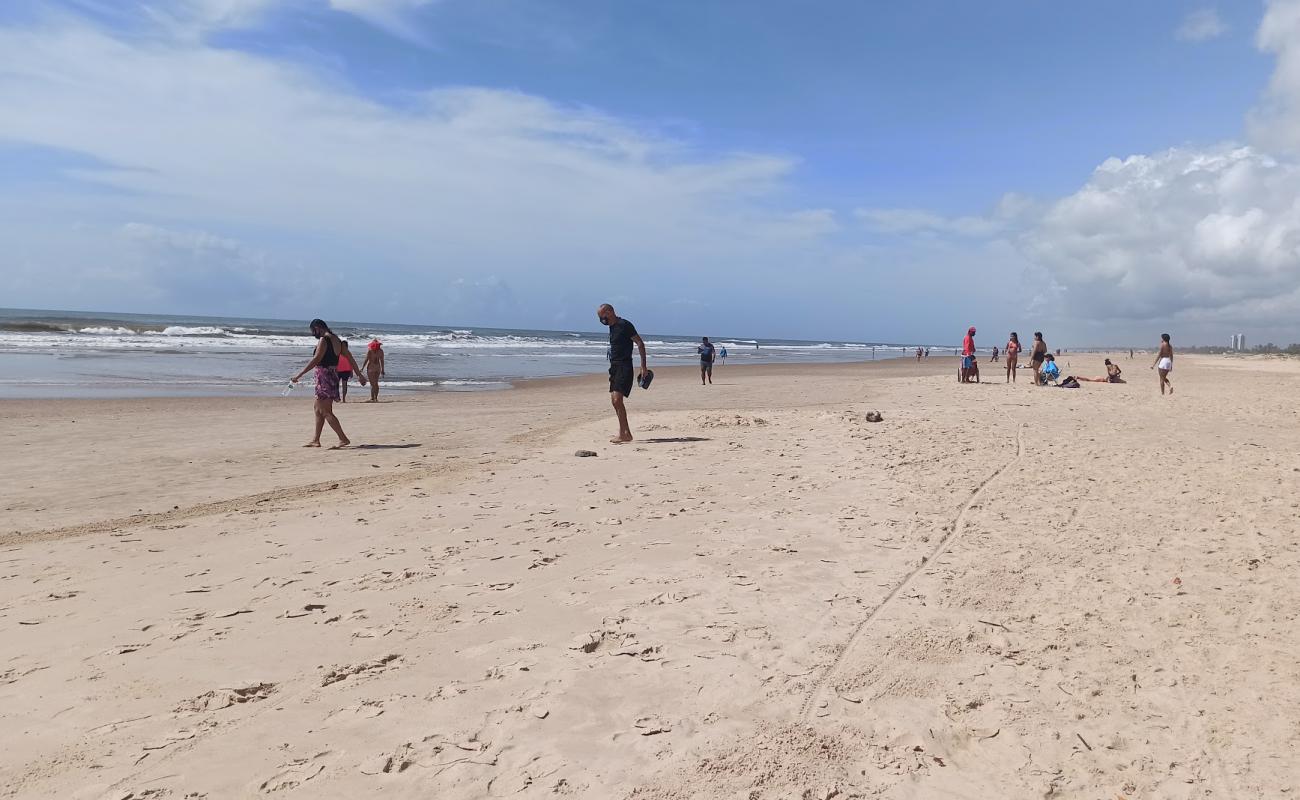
(1101,171)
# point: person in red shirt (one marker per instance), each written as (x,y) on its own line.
(969,368)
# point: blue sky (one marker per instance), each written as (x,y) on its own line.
(881,171)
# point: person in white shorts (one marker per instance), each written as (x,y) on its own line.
(1164,363)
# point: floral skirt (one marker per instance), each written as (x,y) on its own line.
(327,383)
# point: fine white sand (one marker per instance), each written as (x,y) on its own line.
(997,592)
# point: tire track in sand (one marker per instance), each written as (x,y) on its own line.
(958,524)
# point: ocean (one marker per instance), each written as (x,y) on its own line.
(49,354)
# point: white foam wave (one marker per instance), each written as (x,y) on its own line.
(183,330)
(101,331)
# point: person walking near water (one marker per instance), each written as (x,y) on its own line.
(622,335)
(706,351)
(374,367)
(325,362)
(722,354)
(1164,363)
(347,365)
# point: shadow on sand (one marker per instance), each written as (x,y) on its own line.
(383,446)
(676,440)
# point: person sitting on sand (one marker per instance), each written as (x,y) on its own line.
(1050,373)
(374,367)
(622,335)
(325,361)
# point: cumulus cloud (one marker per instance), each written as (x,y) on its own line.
(1201,26)
(1192,234)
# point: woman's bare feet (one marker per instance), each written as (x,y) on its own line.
(313,444)
(621,439)
(342,444)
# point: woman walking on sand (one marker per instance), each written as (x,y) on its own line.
(1164,363)
(1012,351)
(325,362)
(374,367)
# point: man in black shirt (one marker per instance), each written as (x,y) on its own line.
(622,335)
(707,353)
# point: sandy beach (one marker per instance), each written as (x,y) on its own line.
(997,591)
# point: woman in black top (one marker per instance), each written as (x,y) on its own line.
(325,361)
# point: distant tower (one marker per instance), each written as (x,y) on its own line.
(1232,342)
(1241,341)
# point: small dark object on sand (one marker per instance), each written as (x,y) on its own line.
(874,416)
(586,453)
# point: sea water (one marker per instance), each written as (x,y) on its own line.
(87,354)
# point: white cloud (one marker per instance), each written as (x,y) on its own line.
(1190,234)
(397,17)
(450,182)
(1010,210)
(1201,26)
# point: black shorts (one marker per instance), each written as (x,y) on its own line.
(707,366)
(344,376)
(620,377)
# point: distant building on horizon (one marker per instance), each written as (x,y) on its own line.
(1238,341)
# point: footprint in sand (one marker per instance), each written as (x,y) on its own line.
(294,774)
(218,699)
(366,667)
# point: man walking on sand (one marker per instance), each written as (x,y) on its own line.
(706,351)
(622,335)
(1164,363)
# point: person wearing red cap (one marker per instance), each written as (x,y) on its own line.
(969,367)
(374,367)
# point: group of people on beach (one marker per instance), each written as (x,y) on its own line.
(334,366)
(1043,366)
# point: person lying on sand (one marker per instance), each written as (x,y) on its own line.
(1112,375)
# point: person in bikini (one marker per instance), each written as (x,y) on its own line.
(1164,363)
(622,335)
(1013,355)
(1112,375)
(1039,352)
(374,366)
(325,361)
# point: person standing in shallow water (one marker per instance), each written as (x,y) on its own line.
(622,335)
(374,368)
(347,366)
(1164,363)
(325,361)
